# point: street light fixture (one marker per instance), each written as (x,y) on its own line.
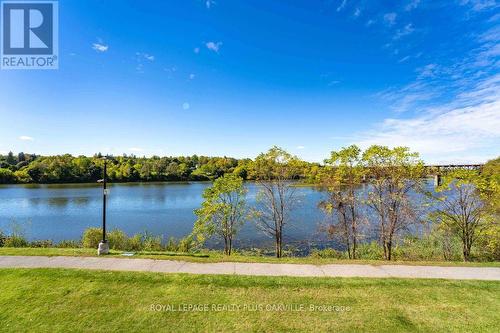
(103,244)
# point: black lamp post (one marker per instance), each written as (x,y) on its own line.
(103,245)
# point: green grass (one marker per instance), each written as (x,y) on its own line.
(59,300)
(216,256)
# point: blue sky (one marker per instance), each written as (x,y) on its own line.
(236,77)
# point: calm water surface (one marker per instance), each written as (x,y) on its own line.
(63,212)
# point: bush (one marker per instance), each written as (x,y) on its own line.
(186,244)
(370,251)
(92,237)
(16,241)
(117,240)
(134,243)
(69,244)
(42,243)
(327,253)
(151,243)
(3,237)
(172,245)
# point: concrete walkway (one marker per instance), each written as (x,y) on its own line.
(335,270)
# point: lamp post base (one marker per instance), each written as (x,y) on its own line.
(103,248)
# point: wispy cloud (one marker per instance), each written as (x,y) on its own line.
(357,12)
(209,3)
(407,29)
(213,46)
(300,147)
(145,56)
(135,149)
(192,76)
(450,112)
(26,138)
(196,50)
(342,5)
(185,106)
(412,5)
(100,46)
(390,18)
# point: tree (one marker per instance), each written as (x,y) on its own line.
(274,171)
(341,179)
(222,211)
(394,175)
(461,209)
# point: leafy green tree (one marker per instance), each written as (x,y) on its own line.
(341,179)
(394,175)
(223,210)
(274,171)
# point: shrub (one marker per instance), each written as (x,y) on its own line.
(92,237)
(70,244)
(16,241)
(327,253)
(186,244)
(42,243)
(3,237)
(150,242)
(117,240)
(134,243)
(370,251)
(172,245)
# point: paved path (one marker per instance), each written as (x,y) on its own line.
(334,270)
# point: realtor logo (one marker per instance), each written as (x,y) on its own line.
(29,35)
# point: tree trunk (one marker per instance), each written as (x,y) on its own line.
(278,245)
(387,250)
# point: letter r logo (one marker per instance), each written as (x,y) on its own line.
(27,28)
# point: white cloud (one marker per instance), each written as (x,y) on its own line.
(185,106)
(369,23)
(26,138)
(141,55)
(448,136)
(192,76)
(390,18)
(135,149)
(100,47)
(342,5)
(408,29)
(196,50)
(209,3)
(300,147)
(412,5)
(213,46)
(357,12)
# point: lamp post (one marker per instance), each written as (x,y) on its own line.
(103,244)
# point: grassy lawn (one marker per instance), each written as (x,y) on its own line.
(77,300)
(216,256)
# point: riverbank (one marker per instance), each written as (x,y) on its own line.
(62,300)
(218,257)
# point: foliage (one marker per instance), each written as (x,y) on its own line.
(394,174)
(461,210)
(69,244)
(46,243)
(341,179)
(273,172)
(223,210)
(16,240)
(91,237)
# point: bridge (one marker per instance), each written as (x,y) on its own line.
(438,170)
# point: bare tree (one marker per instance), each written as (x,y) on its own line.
(462,211)
(274,172)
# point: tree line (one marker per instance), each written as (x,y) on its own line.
(380,186)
